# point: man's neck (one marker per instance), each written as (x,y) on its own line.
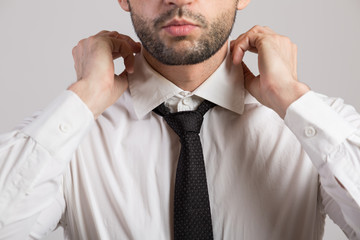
(188,77)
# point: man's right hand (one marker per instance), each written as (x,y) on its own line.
(97,84)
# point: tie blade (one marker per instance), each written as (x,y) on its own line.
(192,214)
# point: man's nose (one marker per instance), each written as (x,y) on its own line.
(179,3)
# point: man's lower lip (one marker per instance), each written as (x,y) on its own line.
(182,30)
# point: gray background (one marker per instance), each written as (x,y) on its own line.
(37,37)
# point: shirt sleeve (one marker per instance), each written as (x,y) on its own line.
(329,132)
(32,161)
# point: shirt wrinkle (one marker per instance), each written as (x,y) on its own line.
(118,179)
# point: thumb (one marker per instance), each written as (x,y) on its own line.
(121,82)
(251,81)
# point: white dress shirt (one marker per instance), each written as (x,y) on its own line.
(113,178)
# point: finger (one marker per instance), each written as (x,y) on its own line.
(261,29)
(244,43)
(255,29)
(233,44)
(248,75)
(121,48)
(267,29)
(129,62)
(251,82)
(121,82)
(237,53)
(101,33)
(116,55)
(247,41)
(253,87)
(136,46)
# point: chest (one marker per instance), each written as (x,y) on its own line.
(120,183)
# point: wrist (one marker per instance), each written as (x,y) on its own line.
(290,95)
(91,97)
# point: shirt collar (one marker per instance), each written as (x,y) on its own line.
(148,89)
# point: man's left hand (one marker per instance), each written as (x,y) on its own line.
(277,85)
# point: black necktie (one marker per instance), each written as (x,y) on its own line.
(192,216)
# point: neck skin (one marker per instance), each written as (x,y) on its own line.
(188,77)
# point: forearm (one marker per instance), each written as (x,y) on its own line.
(329,132)
(33,159)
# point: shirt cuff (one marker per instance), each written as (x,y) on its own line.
(62,125)
(318,127)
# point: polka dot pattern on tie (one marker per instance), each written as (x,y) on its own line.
(192,215)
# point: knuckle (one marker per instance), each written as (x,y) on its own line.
(258,29)
(267,37)
(81,42)
(126,49)
(73,51)
(127,38)
(91,38)
(255,29)
(102,32)
(128,58)
(239,38)
(281,39)
(114,34)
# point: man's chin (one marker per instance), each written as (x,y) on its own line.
(183,52)
(181,58)
(180,44)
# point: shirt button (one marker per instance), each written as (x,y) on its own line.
(184,93)
(64,128)
(310,131)
(186,101)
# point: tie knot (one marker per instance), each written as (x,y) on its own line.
(185,122)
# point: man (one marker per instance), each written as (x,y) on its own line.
(115,178)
